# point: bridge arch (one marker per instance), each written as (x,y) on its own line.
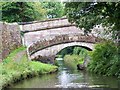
(50,47)
(70,49)
(51,52)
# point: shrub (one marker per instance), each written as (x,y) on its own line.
(104,59)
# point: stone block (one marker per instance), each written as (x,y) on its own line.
(10,38)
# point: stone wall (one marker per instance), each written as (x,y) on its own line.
(9,38)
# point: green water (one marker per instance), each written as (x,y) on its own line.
(70,78)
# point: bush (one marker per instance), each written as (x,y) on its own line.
(104,59)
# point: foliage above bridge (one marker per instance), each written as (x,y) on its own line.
(88,14)
(30,11)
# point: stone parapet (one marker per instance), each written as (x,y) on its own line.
(44,25)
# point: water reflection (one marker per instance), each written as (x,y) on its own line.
(64,78)
(70,78)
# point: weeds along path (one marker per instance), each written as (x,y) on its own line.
(16,55)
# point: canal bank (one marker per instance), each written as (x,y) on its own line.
(70,78)
(16,68)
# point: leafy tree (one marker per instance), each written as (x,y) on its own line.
(88,14)
(21,11)
(54,9)
(39,12)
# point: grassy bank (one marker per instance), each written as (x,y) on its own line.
(73,60)
(13,71)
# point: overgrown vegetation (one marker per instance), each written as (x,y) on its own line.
(73,60)
(105,59)
(12,71)
(12,55)
(73,56)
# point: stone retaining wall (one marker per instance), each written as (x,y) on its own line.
(9,38)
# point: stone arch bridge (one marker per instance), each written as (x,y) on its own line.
(44,39)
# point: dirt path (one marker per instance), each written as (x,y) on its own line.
(19,55)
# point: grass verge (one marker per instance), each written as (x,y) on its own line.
(12,71)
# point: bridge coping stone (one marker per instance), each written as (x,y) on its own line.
(43,25)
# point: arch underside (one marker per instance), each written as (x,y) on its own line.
(53,50)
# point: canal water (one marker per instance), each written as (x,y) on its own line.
(70,78)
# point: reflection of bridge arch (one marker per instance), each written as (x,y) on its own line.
(50,47)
